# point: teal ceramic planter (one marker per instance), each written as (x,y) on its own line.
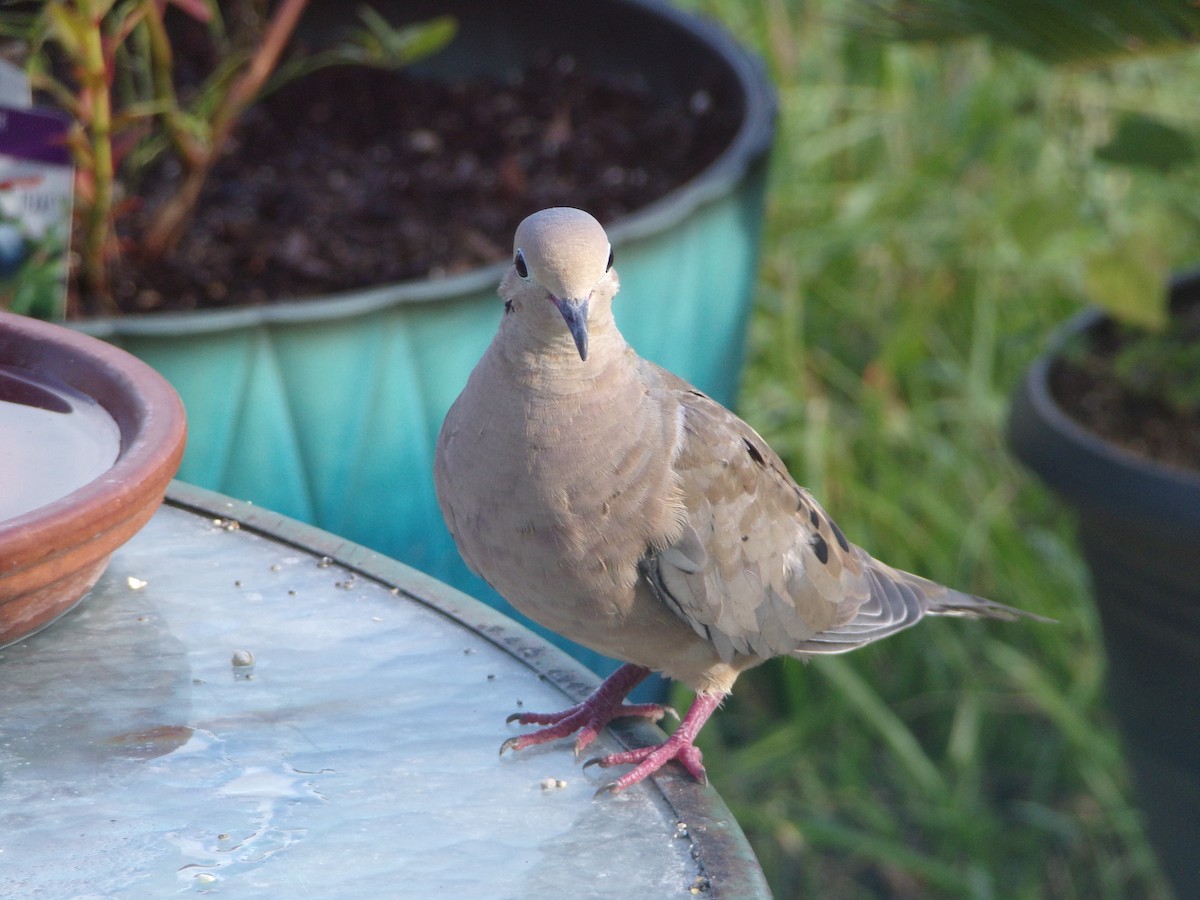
(327,410)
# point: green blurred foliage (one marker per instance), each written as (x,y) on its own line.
(1057,32)
(934,213)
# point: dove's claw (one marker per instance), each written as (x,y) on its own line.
(679,747)
(611,787)
(509,744)
(591,716)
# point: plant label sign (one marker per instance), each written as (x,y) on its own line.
(36,179)
(14,86)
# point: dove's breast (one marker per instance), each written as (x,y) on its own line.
(555,488)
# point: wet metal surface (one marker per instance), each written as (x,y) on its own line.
(236,712)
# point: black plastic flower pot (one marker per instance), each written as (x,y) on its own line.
(1139,527)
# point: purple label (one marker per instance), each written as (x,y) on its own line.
(38,135)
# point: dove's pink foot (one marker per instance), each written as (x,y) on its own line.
(679,746)
(590,716)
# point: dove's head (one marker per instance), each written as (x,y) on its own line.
(561,271)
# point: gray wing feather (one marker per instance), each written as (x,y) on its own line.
(760,569)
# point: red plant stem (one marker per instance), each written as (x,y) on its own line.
(164,232)
(262,64)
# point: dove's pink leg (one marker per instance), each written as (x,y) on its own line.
(679,746)
(590,716)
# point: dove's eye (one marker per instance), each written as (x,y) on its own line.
(519,264)
(610,260)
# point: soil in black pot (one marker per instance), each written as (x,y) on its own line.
(354,177)
(1117,391)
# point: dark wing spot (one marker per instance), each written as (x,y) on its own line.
(753,451)
(820,548)
(814,518)
(508,306)
(841,538)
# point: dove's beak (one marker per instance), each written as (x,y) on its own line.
(575,314)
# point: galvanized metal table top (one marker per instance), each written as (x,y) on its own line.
(357,756)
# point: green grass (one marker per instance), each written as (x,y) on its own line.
(933,213)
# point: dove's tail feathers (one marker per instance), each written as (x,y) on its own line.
(958,604)
(939,600)
(898,600)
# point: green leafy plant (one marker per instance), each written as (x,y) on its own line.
(34,286)
(1159,355)
(1159,367)
(110,64)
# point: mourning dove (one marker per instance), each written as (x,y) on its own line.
(619,506)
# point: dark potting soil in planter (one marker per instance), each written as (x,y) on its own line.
(353,177)
(1084,384)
